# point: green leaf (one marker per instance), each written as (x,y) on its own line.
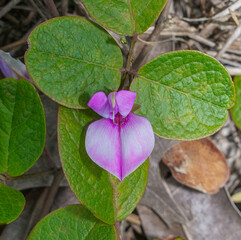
(125,17)
(71,58)
(104,195)
(11,204)
(184,94)
(22,126)
(73,222)
(236,109)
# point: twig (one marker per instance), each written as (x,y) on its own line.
(29,18)
(8,7)
(14,44)
(233,37)
(234,17)
(11,18)
(39,10)
(226,12)
(193,20)
(222,14)
(36,211)
(23,7)
(49,156)
(51,193)
(134,219)
(52,8)
(64,7)
(166,40)
(233,71)
(32,175)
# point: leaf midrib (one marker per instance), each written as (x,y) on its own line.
(131,16)
(184,93)
(76,59)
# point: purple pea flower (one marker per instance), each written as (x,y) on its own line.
(121,141)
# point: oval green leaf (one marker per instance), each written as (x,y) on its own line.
(22,126)
(104,195)
(73,222)
(184,94)
(236,109)
(71,58)
(125,17)
(11,204)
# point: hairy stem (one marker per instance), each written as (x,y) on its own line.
(117,229)
(153,37)
(125,77)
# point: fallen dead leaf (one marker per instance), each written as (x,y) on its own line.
(188,213)
(198,164)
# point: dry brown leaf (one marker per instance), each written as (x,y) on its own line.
(198,164)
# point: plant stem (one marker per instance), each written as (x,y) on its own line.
(129,58)
(3,179)
(117,229)
(125,77)
(154,35)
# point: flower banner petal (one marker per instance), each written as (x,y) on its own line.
(125,100)
(137,142)
(102,144)
(99,103)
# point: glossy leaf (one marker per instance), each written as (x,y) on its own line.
(22,126)
(107,197)
(184,94)
(11,204)
(125,17)
(236,109)
(71,58)
(73,222)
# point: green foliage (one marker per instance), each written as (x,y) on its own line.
(71,58)
(11,204)
(22,126)
(236,109)
(72,222)
(185,94)
(103,194)
(125,17)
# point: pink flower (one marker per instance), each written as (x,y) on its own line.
(121,141)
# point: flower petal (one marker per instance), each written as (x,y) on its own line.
(99,103)
(137,142)
(13,65)
(125,101)
(102,144)
(6,71)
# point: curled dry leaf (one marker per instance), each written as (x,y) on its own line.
(198,164)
